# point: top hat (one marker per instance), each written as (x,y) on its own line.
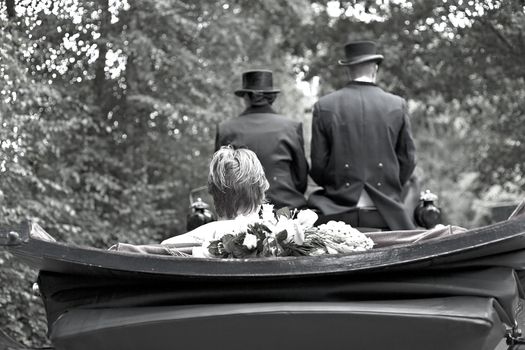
(257,81)
(360,51)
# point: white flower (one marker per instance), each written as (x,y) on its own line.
(281,224)
(298,233)
(307,218)
(250,241)
(267,214)
(294,232)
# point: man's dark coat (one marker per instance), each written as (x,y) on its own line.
(361,138)
(279,145)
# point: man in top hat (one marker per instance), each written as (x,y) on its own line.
(277,140)
(362,151)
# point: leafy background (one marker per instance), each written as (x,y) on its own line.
(108,107)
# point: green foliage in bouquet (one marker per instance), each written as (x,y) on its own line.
(232,246)
(266,245)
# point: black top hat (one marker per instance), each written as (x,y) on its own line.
(257,81)
(359,52)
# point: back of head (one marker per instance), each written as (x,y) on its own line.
(236,182)
(367,70)
(362,60)
(257,87)
(260,98)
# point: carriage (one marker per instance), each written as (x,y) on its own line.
(430,289)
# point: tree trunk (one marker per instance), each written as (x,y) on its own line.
(10,6)
(102,43)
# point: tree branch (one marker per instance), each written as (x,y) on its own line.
(499,35)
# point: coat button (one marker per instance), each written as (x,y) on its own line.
(380,165)
(347,184)
(347,165)
(379,184)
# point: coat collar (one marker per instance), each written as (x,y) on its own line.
(258,109)
(357,82)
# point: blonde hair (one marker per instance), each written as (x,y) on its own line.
(236,182)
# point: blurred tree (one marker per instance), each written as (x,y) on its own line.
(107,116)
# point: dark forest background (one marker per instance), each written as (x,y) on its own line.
(108,107)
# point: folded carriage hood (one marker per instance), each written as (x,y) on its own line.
(469,246)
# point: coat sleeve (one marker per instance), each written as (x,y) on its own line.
(405,149)
(320,147)
(300,164)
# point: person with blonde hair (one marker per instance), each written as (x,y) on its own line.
(237,184)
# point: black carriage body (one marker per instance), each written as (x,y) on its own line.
(457,292)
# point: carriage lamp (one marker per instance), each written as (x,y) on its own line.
(200,214)
(427,214)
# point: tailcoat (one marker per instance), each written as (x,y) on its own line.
(279,144)
(361,139)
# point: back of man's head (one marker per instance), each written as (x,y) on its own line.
(260,98)
(365,71)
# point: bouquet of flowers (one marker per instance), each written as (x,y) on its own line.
(286,233)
